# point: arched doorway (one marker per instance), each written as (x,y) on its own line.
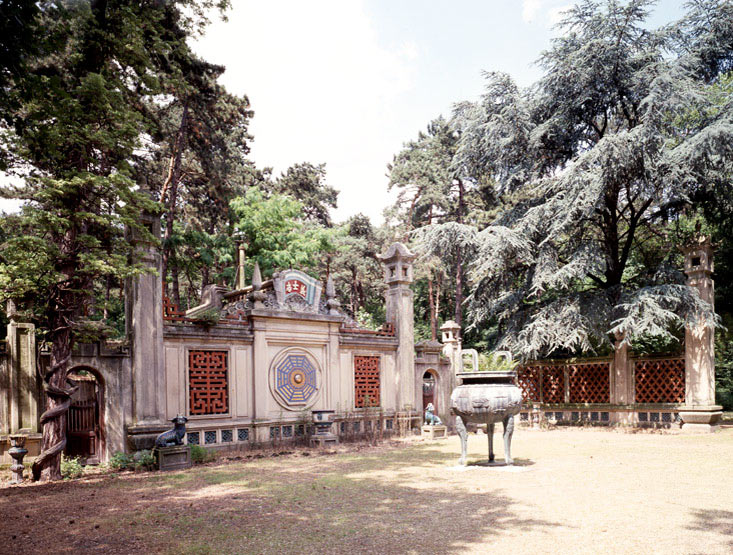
(84,421)
(428,390)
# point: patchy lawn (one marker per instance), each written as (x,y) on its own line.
(572,491)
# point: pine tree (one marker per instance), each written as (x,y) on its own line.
(597,166)
(306,183)
(79,116)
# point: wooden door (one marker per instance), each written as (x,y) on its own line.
(83,423)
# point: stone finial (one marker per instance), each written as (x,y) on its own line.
(397,264)
(257,296)
(331,301)
(256,277)
(241,249)
(11,310)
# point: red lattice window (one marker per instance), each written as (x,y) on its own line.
(553,383)
(208,382)
(366,381)
(528,379)
(589,383)
(660,381)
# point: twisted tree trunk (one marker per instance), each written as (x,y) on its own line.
(47,466)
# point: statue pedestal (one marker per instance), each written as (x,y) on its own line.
(434,432)
(323,440)
(175,457)
(701,419)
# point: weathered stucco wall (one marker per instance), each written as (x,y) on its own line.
(253,354)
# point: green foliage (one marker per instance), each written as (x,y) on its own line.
(306,182)
(201,454)
(356,270)
(71,467)
(492,362)
(144,460)
(209,317)
(724,364)
(121,461)
(495,362)
(274,233)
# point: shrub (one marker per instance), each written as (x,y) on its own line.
(201,454)
(120,461)
(144,460)
(71,468)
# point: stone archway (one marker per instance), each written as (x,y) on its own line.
(85,437)
(430,390)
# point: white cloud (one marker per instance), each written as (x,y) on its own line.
(323,89)
(548,11)
(530,8)
(557,14)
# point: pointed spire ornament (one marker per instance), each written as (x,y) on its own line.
(257,296)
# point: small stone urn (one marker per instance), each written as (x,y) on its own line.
(17,451)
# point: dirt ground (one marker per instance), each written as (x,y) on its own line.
(571,491)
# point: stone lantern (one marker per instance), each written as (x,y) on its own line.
(700,412)
(451,339)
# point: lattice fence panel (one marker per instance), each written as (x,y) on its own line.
(208,382)
(660,381)
(589,383)
(171,312)
(366,381)
(528,379)
(553,383)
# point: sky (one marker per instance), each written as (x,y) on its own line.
(347,82)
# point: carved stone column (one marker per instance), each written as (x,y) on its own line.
(22,376)
(399,308)
(700,413)
(144,315)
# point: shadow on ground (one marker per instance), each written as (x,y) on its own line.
(715,521)
(325,504)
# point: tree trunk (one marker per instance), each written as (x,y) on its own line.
(107,287)
(175,285)
(204,277)
(169,194)
(458,316)
(47,465)
(433,315)
(354,292)
(437,300)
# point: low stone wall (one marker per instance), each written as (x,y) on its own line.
(642,415)
(348,426)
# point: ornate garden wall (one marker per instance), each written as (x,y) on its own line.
(582,390)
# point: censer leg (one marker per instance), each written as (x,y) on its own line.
(463,434)
(508,431)
(490,433)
